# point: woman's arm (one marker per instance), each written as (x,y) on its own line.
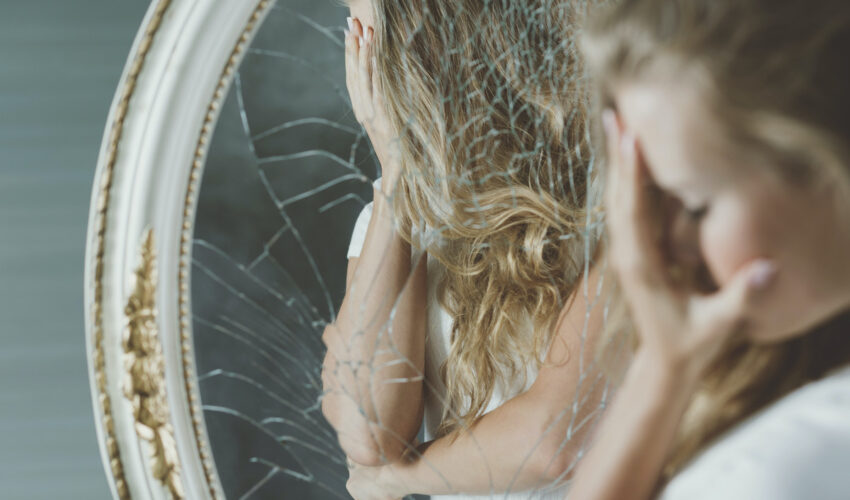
(637,432)
(524,443)
(680,334)
(372,373)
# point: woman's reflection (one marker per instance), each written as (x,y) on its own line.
(471,282)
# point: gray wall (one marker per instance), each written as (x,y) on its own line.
(60,61)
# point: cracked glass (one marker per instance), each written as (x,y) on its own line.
(288,172)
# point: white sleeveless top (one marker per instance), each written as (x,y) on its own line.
(796,448)
(437,337)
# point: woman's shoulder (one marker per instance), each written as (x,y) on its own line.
(798,447)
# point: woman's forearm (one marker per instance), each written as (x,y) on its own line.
(516,447)
(636,434)
(532,441)
(372,372)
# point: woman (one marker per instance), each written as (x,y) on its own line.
(735,114)
(478,233)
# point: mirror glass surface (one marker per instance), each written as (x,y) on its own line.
(287,173)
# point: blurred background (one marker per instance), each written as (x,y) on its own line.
(60,62)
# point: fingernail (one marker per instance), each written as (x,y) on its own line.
(350,23)
(609,122)
(762,274)
(369,35)
(346,32)
(362,41)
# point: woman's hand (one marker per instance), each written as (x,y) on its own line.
(676,325)
(373,483)
(367,100)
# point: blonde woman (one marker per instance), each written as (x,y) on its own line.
(738,111)
(472,299)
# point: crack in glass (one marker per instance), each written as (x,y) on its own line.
(288,171)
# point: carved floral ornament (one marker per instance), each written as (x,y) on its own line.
(144,384)
(152,437)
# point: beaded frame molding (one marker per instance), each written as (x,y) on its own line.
(150,427)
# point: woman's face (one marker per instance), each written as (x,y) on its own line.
(732,208)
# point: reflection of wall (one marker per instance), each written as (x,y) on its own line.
(278,202)
(61,61)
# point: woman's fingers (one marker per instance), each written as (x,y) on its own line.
(357,29)
(725,311)
(351,70)
(377,91)
(362,51)
(358,70)
(643,207)
(364,74)
(635,249)
(612,185)
(615,195)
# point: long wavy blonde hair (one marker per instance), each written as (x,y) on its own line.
(776,75)
(496,166)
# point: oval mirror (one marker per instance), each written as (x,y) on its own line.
(216,251)
(231,175)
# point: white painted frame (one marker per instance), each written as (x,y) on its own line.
(148,170)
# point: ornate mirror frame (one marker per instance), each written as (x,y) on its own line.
(150,427)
